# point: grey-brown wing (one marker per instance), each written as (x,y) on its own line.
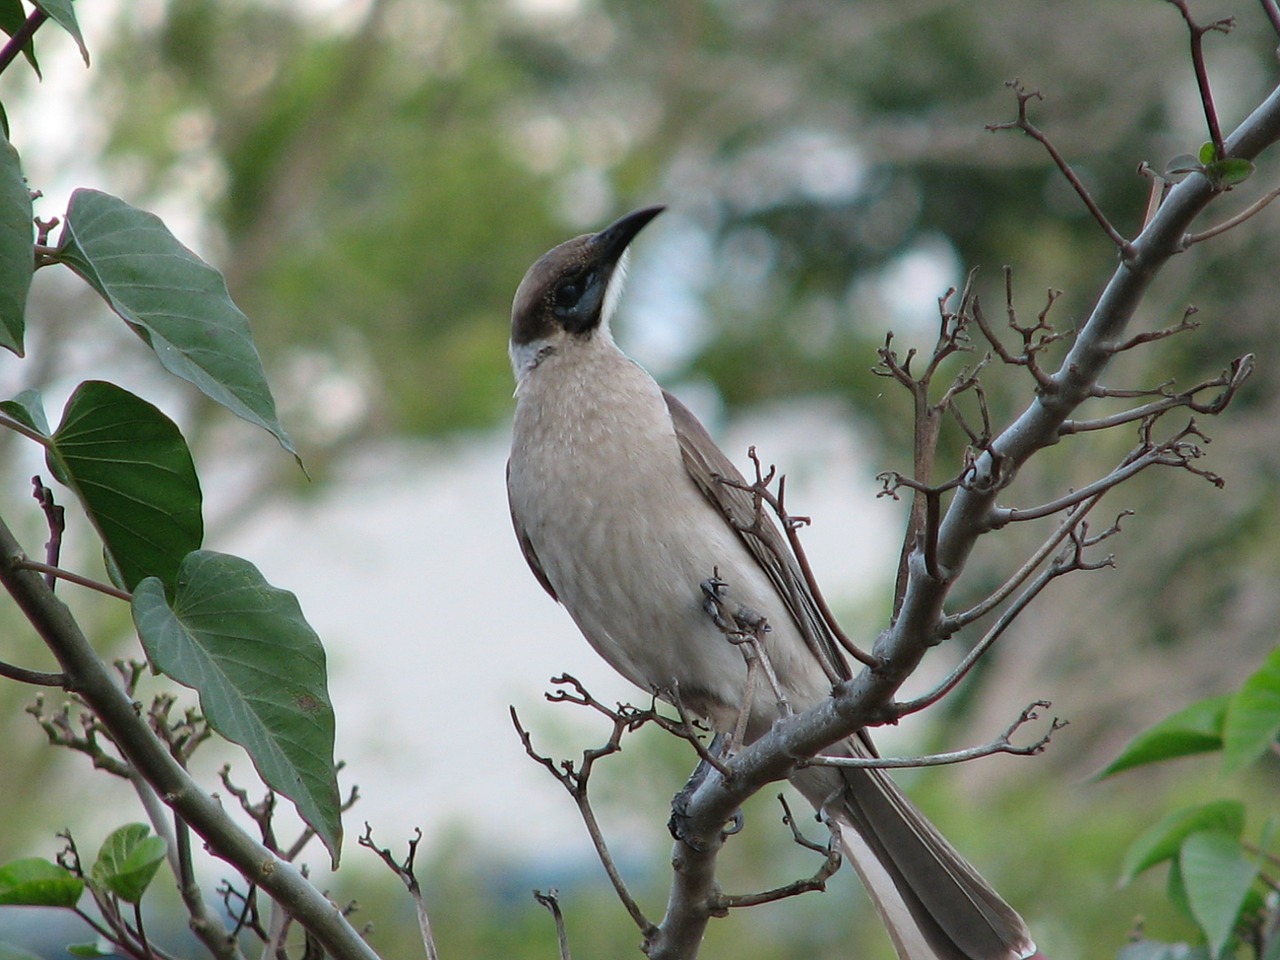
(706,464)
(526,546)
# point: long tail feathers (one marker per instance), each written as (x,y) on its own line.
(934,904)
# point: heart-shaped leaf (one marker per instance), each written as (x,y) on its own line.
(260,671)
(132,470)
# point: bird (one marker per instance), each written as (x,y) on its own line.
(631,517)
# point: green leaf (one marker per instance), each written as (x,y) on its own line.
(1217,876)
(173,300)
(1208,153)
(62,13)
(1163,840)
(87,951)
(128,861)
(1233,171)
(1253,717)
(27,408)
(1195,729)
(12,17)
(260,671)
(130,467)
(34,882)
(17,248)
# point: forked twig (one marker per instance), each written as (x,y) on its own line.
(551,900)
(1024,124)
(409,878)
(1001,744)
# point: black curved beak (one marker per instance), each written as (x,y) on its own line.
(612,241)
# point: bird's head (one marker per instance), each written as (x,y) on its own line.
(571,290)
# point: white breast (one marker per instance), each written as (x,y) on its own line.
(626,539)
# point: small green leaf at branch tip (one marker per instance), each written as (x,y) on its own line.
(1195,729)
(1231,172)
(128,861)
(1163,840)
(63,14)
(1208,153)
(130,467)
(1253,718)
(1218,877)
(260,671)
(34,882)
(175,302)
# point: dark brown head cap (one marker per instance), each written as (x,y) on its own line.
(565,289)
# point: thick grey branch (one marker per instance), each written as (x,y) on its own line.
(866,699)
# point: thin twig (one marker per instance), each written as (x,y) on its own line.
(551,900)
(51,572)
(1001,744)
(815,883)
(1252,210)
(575,782)
(951,624)
(407,876)
(1231,380)
(1024,124)
(1202,74)
(37,677)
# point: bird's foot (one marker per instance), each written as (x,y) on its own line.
(679,823)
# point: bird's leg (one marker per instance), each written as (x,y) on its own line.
(745,628)
(720,748)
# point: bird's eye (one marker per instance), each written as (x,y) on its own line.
(568,294)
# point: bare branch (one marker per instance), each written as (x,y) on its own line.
(1149,336)
(407,876)
(1001,744)
(951,624)
(551,900)
(817,882)
(51,573)
(1231,380)
(1252,210)
(1177,451)
(38,678)
(1024,124)
(575,782)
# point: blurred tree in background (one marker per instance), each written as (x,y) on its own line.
(375,177)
